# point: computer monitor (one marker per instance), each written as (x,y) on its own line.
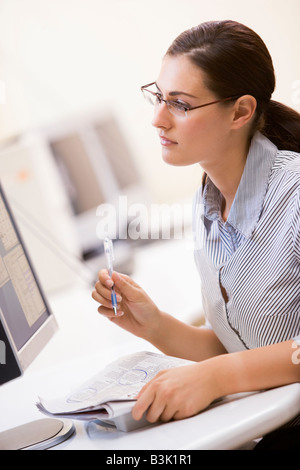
(26,322)
(26,326)
(87,177)
(97,167)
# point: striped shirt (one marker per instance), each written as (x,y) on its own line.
(250,265)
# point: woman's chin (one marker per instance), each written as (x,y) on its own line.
(171,158)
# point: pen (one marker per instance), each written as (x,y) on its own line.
(109,253)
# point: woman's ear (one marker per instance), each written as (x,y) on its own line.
(244,109)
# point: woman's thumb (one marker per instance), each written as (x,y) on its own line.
(126,286)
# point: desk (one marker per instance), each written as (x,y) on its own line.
(85,343)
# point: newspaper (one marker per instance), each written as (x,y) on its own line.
(110,395)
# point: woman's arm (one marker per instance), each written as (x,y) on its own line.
(138,314)
(260,368)
(179,339)
(183,392)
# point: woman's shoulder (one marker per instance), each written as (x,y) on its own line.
(287,164)
(288,160)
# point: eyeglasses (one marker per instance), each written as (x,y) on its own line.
(177,108)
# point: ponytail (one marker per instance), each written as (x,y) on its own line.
(282,126)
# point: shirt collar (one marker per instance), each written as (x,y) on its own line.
(248,202)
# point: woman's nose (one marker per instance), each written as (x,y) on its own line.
(162,116)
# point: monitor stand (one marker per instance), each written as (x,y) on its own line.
(37,435)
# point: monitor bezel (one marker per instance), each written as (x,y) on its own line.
(40,338)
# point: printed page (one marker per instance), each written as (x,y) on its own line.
(106,411)
(119,381)
(7,232)
(22,278)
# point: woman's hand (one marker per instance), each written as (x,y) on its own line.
(177,393)
(137,313)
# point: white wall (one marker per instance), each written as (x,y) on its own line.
(59,58)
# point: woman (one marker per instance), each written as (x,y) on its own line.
(213,107)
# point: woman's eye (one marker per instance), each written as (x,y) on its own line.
(179,105)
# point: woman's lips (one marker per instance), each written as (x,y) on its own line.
(166,142)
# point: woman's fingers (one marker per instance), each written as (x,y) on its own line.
(174,394)
(153,400)
(102,293)
(109,312)
(104,298)
(155,406)
(145,400)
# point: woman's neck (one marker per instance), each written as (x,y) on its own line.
(226,175)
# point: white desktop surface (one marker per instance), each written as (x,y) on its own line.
(86,342)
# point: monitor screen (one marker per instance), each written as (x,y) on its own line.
(26,322)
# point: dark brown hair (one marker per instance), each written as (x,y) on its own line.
(236,62)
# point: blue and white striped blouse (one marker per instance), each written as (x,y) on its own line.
(250,264)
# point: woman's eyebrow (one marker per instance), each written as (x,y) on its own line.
(175,93)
